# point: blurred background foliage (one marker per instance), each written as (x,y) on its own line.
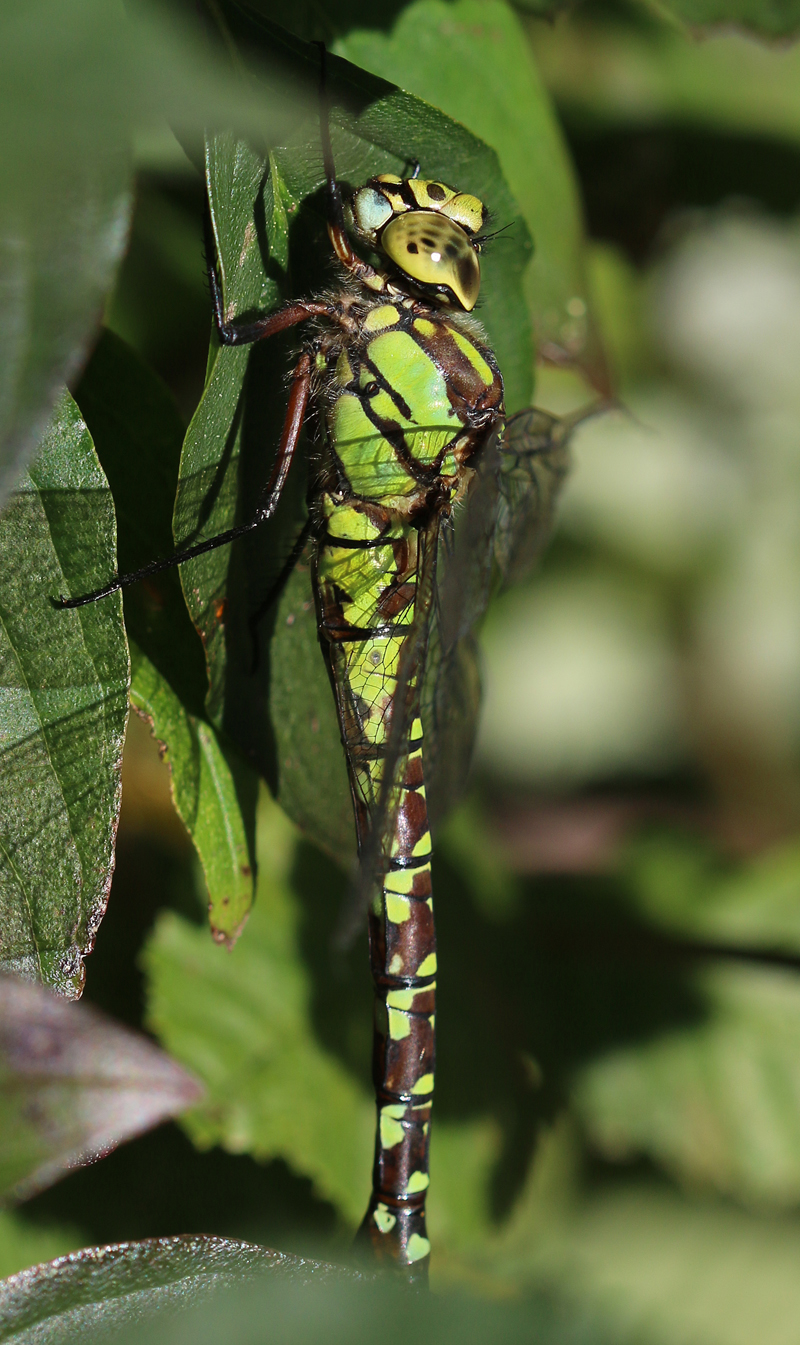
(618,1098)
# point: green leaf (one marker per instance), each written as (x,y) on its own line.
(472,60)
(614,75)
(210,1289)
(23,1243)
(76,83)
(64,683)
(209,786)
(269,224)
(243,1020)
(768,18)
(715,1103)
(73,1086)
(97,1292)
(138,435)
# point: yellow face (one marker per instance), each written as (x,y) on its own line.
(427,230)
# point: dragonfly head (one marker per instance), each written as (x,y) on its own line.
(428,231)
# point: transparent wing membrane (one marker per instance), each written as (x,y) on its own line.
(492,540)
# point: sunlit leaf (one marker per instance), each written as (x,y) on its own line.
(64,686)
(73,1085)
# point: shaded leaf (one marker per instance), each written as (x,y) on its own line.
(101,1290)
(75,83)
(64,683)
(719,1102)
(242,1023)
(73,1085)
(138,435)
(472,60)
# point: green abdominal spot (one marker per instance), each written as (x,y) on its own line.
(417,1247)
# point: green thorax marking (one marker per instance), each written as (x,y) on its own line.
(404,397)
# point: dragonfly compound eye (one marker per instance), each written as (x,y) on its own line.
(370,210)
(435,251)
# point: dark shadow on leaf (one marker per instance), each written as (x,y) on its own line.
(523,1003)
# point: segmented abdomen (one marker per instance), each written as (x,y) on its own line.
(367,570)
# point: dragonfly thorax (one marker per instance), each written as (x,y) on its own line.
(428,231)
(409,397)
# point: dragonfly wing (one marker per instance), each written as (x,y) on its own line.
(534,459)
(492,541)
(452,687)
(451,699)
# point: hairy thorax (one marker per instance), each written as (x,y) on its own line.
(410,394)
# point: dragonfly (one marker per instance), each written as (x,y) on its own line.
(425,498)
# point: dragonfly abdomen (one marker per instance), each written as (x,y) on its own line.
(367,574)
(403,957)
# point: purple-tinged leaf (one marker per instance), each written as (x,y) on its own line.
(73,1085)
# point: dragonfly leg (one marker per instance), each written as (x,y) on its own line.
(233,332)
(293,422)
